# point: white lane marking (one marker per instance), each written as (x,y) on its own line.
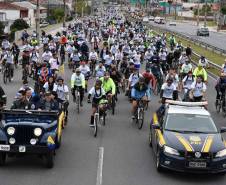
(100,166)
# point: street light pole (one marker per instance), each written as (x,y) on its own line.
(205,14)
(198,15)
(64,20)
(38,19)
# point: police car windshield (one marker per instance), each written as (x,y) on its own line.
(190,123)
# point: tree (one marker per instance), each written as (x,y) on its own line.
(82,6)
(2,27)
(223,10)
(58,14)
(19,24)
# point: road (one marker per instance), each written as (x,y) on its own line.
(127,158)
(215,39)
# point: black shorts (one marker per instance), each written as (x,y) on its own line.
(95,102)
(198,99)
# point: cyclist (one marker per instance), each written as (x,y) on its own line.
(198,89)
(220,88)
(203,61)
(85,70)
(9,62)
(62,92)
(200,71)
(49,85)
(47,55)
(15,51)
(168,91)
(108,85)
(187,81)
(54,64)
(133,79)
(186,67)
(100,70)
(78,83)
(149,79)
(98,94)
(140,91)
(75,58)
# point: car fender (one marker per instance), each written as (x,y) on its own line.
(3,136)
(46,135)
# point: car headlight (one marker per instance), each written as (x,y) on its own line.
(11,131)
(221,153)
(169,150)
(37,132)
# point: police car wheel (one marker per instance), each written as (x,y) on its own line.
(2,158)
(150,138)
(49,157)
(158,166)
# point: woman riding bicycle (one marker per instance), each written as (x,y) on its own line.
(98,94)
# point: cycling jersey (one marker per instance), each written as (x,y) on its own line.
(108,85)
(77,80)
(201,72)
(139,92)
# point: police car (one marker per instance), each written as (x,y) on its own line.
(184,138)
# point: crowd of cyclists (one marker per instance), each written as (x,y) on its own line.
(107,55)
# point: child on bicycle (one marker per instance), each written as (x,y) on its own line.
(98,94)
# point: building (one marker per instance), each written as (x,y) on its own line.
(32,11)
(10,12)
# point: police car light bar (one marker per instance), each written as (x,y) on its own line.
(189,104)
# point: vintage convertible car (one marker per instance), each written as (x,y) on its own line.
(30,132)
(185,138)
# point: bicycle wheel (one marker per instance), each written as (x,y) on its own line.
(95,126)
(140,118)
(78,103)
(113,105)
(218,107)
(5,76)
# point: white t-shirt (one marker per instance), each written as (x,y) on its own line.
(188,81)
(198,88)
(134,78)
(61,91)
(84,69)
(53,63)
(168,90)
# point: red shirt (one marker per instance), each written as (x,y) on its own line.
(149,78)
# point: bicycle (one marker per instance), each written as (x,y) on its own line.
(220,104)
(139,114)
(99,117)
(112,103)
(77,100)
(159,82)
(6,73)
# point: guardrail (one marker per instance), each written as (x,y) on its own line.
(198,42)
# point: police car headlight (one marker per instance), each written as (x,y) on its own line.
(37,132)
(11,131)
(169,150)
(221,153)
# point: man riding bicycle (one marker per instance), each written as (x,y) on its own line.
(220,88)
(140,91)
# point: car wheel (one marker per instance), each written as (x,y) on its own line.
(2,158)
(49,157)
(157,161)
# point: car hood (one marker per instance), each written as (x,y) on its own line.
(194,142)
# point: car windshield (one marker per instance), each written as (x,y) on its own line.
(204,29)
(190,123)
(29,118)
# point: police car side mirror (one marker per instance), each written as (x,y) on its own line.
(156,126)
(222,129)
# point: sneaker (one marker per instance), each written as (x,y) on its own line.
(11,79)
(133,117)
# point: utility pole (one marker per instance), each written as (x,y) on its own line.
(219,18)
(175,7)
(205,13)
(65,14)
(198,15)
(38,19)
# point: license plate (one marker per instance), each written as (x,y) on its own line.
(197,164)
(4,148)
(22,149)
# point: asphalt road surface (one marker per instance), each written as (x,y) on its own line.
(215,39)
(120,155)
